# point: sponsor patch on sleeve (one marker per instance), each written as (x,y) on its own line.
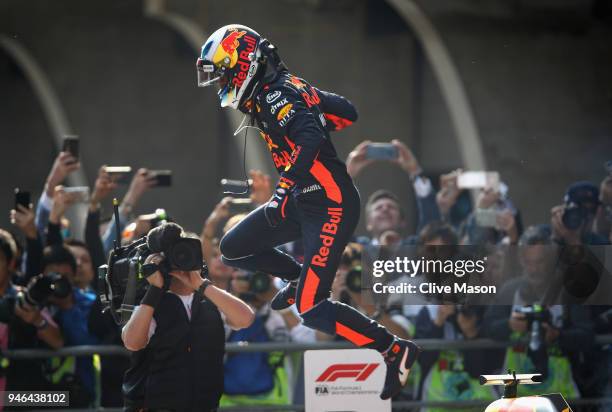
(285,114)
(274,107)
(272,96)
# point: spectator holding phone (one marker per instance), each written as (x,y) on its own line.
(24,218)
(65,164)
(494,221)
(62,200)
(453,201)
(103,187)
(212,225)
(261,188)
(261,191)
(383,210)
(142,181)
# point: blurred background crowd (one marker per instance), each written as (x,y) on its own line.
(121,75)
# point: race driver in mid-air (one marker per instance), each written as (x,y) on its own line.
(315,200)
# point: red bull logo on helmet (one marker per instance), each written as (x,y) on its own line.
(244,60)
(230,43)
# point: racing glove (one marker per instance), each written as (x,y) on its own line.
(274,210)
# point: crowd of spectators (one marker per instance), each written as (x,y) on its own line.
(41,247)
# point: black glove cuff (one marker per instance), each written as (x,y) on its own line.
(152,296)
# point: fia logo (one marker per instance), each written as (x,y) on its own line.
(321,390)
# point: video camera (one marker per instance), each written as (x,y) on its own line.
(123,280)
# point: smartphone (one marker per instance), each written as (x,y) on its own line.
(71,145)
(486,217)
(162,178)
(82,191)
(235,186)
(240,206)
(381,151)
(478,180)
(22,198)
(119,174)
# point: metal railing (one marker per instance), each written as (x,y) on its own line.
(426,344)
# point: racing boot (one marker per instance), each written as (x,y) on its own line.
(399,359)
(285,297)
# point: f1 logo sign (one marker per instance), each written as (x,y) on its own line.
(359,371)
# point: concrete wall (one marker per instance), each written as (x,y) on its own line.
(128,86)
(541,95)
(541,89)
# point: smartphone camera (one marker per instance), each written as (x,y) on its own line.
(381,151)
(22,198)
(71,145)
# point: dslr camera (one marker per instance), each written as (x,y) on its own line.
(43,287)
(123,280)
(37,294)
(574,216)
(259,282)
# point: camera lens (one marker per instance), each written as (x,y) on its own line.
(573,217)
(186,254)
(259,282)
(60,286)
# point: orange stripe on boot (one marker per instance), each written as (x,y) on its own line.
(351,335)
(311,284)
(325,178)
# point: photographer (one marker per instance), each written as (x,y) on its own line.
(71,305)
(177,337)
(261,378)
(572,222)
(22,325)
(557,333)
(347,288)
(450,375)
(446,374)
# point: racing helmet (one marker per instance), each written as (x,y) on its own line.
(231,59)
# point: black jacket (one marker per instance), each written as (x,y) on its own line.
(182,366)
(296,119)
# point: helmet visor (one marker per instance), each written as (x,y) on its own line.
(208,74)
